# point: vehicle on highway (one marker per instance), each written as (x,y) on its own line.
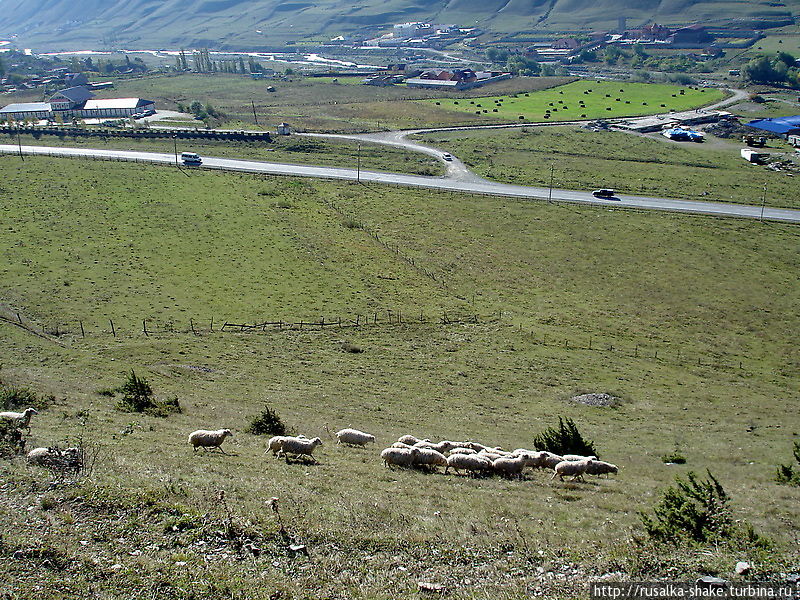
(191,159)
(603,193)
(447,156)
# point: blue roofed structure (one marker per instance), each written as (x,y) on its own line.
(780,125)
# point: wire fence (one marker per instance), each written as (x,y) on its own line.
(683,355)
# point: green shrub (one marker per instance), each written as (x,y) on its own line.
(13,398)
(138,397)
(267,422)
(786,474)
(566,439)
(674,457)
(11,440)
(695,510)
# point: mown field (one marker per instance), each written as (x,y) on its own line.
(631,164)
(284,149)
(90,241)
(586,99)
(311,103)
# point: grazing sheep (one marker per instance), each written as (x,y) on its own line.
(354,437)
(576,457)
(462,450)
(576,468)
(203,438)
(402,457)
(299,446)
(599,467)
(274,444)
(511,466)
(410,440)
(467,462)
(548,460)
(428,457)
(69,458)
(400,445)
(22,420)
(442,446)
(41,456)
(476,446)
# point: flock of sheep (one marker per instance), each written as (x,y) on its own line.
(410,451)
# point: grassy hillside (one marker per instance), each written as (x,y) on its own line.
(91,241)
(242,24)
(648,166)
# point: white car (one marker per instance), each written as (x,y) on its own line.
(447,156)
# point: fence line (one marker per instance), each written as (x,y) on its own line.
(662,354)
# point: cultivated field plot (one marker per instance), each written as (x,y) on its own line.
(308,103)
(587,99)
(689,321)
(582,159)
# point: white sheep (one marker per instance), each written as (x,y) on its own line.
(402,457)
(52,457)
(511,466)
(204,438)
(576,468)
(576,457)
(400,445)
(21,419)
(410,439)
(429,457)
(274,444)
(442,446)
(354,437)
(599,467)
(462,450)
(42,456)
(548,460)
(299,446)
(467,462)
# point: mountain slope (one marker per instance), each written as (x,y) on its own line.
(246,24)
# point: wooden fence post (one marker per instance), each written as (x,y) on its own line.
(144,327)
(212,323)
(83,333)
(113,331)
(191,324)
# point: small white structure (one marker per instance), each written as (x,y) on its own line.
(284,129)
(753,156)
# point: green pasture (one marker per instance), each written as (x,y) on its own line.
(631,164)
(687,319)
(286,149)
(585,99)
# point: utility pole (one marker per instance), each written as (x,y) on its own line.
(763,202)
(175,144)
(255,116)
(550,193)
(358,165)
(19,144)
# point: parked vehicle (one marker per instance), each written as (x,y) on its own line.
(447,156)
(191,159)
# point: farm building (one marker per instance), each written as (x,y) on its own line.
(784,126)
(75,102)
(457,79)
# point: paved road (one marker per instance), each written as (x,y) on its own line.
(447,184)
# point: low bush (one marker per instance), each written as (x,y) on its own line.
(138,397)
(566,439)
(267,422)
(786,474)
(674,457)
(12,441)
